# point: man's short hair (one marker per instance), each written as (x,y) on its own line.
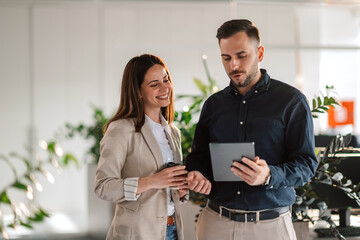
(232,27)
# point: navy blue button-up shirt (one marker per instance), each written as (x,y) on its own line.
(278,119)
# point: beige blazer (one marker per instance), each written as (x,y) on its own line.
(125,153)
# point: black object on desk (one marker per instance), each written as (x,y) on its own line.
(345,231)
(324,141)
(338,201)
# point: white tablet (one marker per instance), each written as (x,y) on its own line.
(222,156)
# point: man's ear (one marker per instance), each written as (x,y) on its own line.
(261,53)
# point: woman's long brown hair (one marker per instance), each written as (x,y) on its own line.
(131,105)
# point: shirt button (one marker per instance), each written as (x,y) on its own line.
(271,187)
(244,102)
(238,192)
(285,187)
(236,94)
(241,123)
(256,91)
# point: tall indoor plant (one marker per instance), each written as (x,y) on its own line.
(28,212)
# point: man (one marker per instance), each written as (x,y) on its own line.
(253,108)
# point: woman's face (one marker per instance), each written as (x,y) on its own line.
(155,89)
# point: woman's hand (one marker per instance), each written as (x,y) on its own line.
(169,177)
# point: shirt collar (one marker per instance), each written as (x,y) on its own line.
(262,85)
(163,123)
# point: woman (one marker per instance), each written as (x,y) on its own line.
(138,142)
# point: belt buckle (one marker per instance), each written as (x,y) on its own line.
(220,210)
(170,220)
(238,216)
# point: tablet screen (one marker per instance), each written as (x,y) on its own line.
(222,156)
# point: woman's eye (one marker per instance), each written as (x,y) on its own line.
(154,85)
(166,80)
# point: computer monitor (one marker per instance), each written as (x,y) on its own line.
(324,140)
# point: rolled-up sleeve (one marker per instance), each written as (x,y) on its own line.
(109,184)
(130,189)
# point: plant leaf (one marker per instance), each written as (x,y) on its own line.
(68,157)
(319,101)
(4,198)
(313,103)
(27,225)
(326,100)
(200,85)
(43,212)
(20,185)
(51,147)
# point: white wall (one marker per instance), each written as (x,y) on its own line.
(58,57)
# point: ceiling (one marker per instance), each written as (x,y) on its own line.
(250,2)
(263,2)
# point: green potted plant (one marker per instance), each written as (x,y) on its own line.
(27,213)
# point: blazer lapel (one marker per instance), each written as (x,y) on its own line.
(152,144)
(173,147)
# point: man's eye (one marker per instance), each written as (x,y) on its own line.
(166,80)
(226,59)
(242,56)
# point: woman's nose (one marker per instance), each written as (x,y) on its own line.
(164,88)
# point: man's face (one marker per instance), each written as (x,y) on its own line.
(240,56)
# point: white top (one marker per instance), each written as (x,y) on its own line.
(158,130)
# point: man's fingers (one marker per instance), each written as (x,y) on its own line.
(192,184)
(241,166)
(204,187)
(190,177)
(241,174)
(237,171)
(208,189)
(199,186)
(252,164)
(198,183)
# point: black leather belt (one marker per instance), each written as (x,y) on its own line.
(250,216)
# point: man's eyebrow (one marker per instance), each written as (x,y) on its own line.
(241,52)
(228,55)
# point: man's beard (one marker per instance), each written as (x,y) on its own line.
(249,78)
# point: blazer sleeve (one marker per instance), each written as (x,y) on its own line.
(109,184)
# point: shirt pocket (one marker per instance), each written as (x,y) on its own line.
(268,133)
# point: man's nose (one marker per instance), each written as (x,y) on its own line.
(235,63)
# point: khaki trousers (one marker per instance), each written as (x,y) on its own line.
(213,226)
